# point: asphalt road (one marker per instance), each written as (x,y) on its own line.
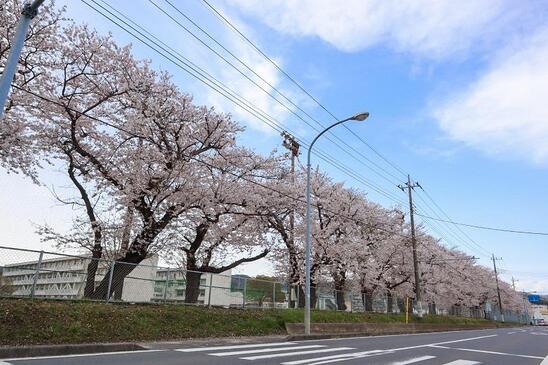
(501,346)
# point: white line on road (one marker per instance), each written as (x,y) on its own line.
(545,361)
(414,360)
(383,336)
(270,349)
(464,339)
(4,363)
(462,362)
(486,352)
(259,357)
(511,333)
(213,348)
(330,357)
(81,355)
(349,358)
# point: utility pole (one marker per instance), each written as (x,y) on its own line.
(410,186)
(514,283)
(498,289)
(28,13)
(293,146)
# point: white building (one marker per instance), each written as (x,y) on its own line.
(65,278)
(215,289)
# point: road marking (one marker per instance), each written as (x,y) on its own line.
(213,348)
(80,355)
(464,339)
(545,361)
(383,336)
(330,357)
(349,358)
(510,333)
(462,362)
(260,357)
(4,363)
(414,360)
(230,353)
(487,352)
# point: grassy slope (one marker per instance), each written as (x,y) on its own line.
(25,322)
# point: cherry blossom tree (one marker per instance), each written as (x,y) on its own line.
(126,132)
(228,221)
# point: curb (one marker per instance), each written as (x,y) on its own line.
(10,352)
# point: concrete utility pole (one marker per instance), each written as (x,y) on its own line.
(514,283)
(293,146)
(410,187)
(498,289)
(28,13)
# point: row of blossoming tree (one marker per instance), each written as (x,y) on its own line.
(153,173)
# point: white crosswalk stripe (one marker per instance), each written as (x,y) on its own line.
(462,362)
(285,354)
(339,356)
(215,348)
(414,360)
(269,349)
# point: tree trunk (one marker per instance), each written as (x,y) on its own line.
(300,288)
(312,296)
(367,298)
(341,304)
(339,279)
(96,254)
(389,302)
(122,269)
(192,290)
(400,302)
(432,308)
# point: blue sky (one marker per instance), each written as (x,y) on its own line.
(456,92)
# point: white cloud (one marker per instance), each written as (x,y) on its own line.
(431,28)
(505,110)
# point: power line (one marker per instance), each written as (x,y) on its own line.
(442,234)
(449,229)
(487,228)
(449,218)
(195,71)
(289,109)
(296,83)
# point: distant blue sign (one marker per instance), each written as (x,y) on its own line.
(533,298)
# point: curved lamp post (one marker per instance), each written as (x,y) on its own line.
(308,249)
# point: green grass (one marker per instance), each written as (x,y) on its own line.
(26,322)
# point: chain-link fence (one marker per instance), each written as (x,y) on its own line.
(41,274)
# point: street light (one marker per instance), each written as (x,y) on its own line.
(17,43)
(357,117)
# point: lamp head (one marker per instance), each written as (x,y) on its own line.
(360,116)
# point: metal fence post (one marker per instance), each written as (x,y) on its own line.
(274,295)
(351,302)
(37,272)
(210,289)
(111,273)
(168,273)
(245,292)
